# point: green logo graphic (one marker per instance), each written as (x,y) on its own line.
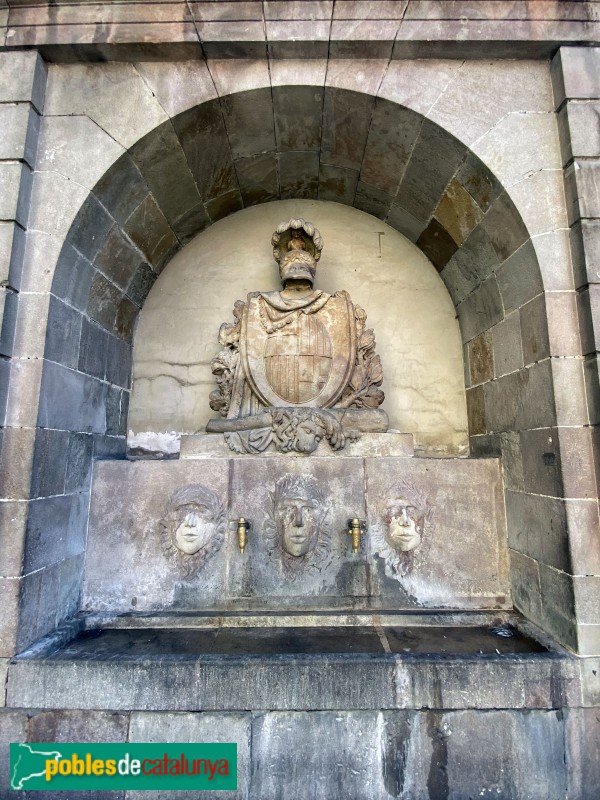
(123,766)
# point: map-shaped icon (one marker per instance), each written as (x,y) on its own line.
(28,763)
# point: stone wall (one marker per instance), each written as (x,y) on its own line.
(407,305)
(462,157)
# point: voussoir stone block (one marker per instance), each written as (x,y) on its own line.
(585,246)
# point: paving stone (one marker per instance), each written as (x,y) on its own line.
(346,118)
(202,130)
(525,585)
(150,232)
(184,85)
(115,97)
(70,400)
(585,245)
(257,178)
(298,112)
(337,184)
(507,346)
(23,78)
(196,727)
(372,200)
(575,74)
(537,527)
(434,161)
(481,309)
(63,332)
(299,174)
(437,244)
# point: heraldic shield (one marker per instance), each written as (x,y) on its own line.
(302,356)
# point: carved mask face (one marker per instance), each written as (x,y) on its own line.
(403,530)
(194,530)
(298,521)
(308,436)
(297,265)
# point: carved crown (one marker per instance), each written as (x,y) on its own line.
(313,243)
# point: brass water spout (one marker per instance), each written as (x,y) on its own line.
(355,528)
(242,527)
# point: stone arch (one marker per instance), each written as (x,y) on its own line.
(291,141)
(265,144)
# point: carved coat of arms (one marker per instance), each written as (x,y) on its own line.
(298,365)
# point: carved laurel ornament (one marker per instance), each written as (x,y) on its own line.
(193,528)
(403,536)
(297,528)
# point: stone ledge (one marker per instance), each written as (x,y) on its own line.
(307,682)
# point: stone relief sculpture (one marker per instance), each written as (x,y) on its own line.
(405,538)
(296,528)
(193,527)
(298,366)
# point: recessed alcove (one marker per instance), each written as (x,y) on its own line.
(407,305)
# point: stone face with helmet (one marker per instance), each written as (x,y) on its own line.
(298,365)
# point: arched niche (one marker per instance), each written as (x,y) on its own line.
(407,305)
